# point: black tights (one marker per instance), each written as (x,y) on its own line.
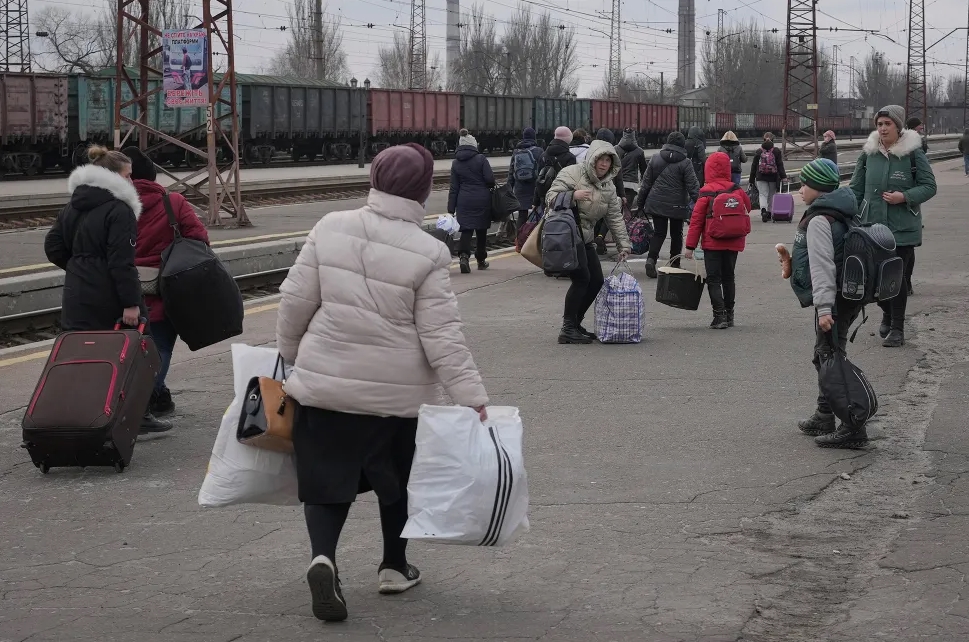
(586,282)
(894,309)
(325,522)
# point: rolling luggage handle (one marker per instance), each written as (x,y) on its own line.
(142,324)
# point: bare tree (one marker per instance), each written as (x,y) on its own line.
(315,47)
(393,66)
(639,88)
(878,84)
(533,57)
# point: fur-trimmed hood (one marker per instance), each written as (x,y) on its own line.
(907,143)
(93,176)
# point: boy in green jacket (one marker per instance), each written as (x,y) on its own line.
(891,181)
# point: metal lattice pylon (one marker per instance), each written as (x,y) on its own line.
(417,63)
(801,79)
(965,99)
(15,30)
(916,103)
(615,51)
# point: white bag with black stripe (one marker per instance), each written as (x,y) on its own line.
(468,483)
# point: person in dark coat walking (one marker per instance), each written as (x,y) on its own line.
(470,196)
(558,156)
(964,148)
(93,240)
(521,177)
(154,236)
(696,151)
(767,178)
(601,228)
(730,146)
(829,148)
(914,123)
(669,186)
(634,162)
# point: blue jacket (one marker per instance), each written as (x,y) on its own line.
(470,193)
(525,190)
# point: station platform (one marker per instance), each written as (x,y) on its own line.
(672,497)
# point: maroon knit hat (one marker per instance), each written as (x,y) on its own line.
(405,171)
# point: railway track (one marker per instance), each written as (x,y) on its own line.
(43,215)
(42,325)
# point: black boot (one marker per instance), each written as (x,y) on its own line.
(908,284)
(886,325)
(465,264)
(719,312)
(650,268)
(583,331)
(600,245)
(765,216)
(730,318)
(844,437)
(729,298)
(149,424)
(895,339)
(570,332)
(161,404)
(483,264)
(719,320)
(820,423)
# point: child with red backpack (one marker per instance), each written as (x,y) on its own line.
(721,220)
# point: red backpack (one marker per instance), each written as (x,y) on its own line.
(727,218)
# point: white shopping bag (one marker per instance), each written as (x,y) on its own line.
(242,474)
(468,483)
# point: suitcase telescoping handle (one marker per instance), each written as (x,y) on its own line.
(142,322)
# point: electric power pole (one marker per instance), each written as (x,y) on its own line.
(801,78)
(15,30)
(417,62)
(965,98)
(615,51)
(916,104)
(717,90)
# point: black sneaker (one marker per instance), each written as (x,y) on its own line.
(844,437)
(719,320)
(729,318)
(818,424)
(885,327)
(465,265)
(651,268)
(397,579)
(483,265)
(161,404)
(765,216)
(328,602)
(149,424)
(895,339)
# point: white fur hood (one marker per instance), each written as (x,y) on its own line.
(907,143)
(94,176)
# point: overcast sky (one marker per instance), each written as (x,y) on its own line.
(646,46)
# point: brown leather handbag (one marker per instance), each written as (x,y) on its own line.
(267,414)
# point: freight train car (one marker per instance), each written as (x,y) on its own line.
(496,122)
(430,118)
(692,117)
(551,113)
(33,121)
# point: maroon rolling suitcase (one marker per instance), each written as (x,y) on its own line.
(87,407)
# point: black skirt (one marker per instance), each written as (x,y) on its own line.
(340,455)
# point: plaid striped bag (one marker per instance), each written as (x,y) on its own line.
(620,309)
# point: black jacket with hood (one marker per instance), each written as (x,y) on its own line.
(767,147)
(470,194)
(668,193)
(633,158)
(964,143)
(558,155)
(696,151)
(93,241)
(735,151)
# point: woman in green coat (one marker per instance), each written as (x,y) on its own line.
(891,181)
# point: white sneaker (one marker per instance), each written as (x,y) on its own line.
(328,602)
(398,580)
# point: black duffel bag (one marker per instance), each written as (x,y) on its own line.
(503,202)
(201,298)
(844,386)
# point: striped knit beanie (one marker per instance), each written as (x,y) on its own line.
(821,174)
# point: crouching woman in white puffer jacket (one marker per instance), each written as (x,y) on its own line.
(369,319)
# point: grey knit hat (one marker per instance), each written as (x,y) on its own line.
(895,112)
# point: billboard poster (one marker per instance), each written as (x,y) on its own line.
(186,78)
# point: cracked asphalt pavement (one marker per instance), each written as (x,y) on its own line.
(672,498)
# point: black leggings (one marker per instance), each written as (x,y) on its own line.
(720,266)
(586,282)
(660,226)
(325,522)
(894,309)
(464,246)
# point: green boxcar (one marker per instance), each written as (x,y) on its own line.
(551,113)
(693,117)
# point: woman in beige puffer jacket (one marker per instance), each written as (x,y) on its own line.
(596,199)
(369,319)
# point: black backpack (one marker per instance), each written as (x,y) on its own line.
(545,179)
(873,271)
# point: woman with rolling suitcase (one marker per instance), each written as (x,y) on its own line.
(93,240)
